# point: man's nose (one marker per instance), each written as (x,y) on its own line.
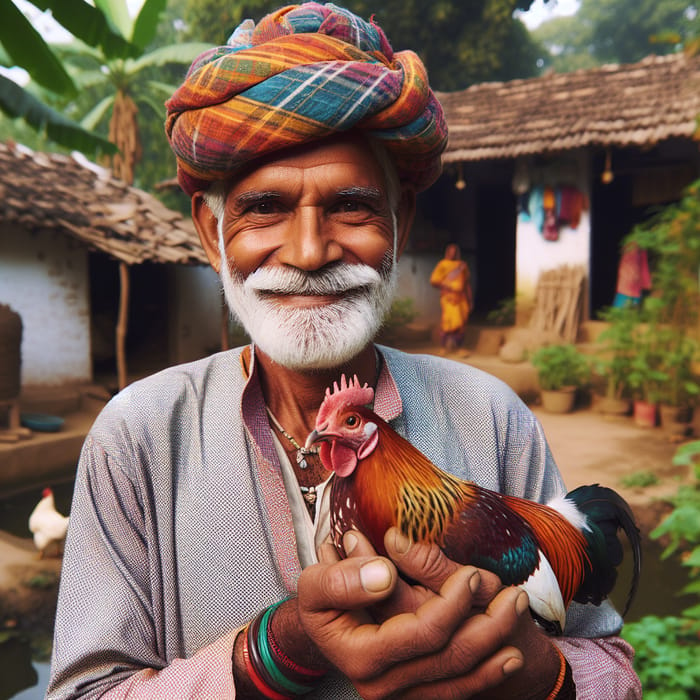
(309,243)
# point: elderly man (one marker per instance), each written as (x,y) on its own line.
(195,565)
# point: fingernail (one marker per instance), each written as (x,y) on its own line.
(401,542)
(475,582)
(515,663)
(349,542)
(375,576)
(522,603)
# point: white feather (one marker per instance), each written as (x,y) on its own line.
(568,509)
(46,523)
(543,590)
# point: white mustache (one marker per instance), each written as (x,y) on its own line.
(337,279)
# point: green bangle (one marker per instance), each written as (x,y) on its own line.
(268,660)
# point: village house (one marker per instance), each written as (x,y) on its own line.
(556,170)
(539,173)
(77,249)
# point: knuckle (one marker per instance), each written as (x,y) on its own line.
(335,583)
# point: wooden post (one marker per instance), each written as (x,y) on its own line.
(122,323)
(225,345)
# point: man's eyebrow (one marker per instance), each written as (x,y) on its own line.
(256,196)
(370,193)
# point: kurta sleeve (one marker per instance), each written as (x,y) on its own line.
(111,631)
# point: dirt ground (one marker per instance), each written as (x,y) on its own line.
(593,448)
(28,589)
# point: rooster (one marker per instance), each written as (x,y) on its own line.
(47,525)
(563,551)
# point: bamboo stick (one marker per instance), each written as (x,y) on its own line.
(122,323)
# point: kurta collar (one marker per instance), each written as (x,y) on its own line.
(387,400)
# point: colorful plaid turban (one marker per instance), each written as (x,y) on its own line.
(303,73)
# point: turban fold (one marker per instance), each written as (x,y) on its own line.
(301,74)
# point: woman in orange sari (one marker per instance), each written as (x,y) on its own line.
(451,276)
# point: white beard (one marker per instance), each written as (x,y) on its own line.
(321,337)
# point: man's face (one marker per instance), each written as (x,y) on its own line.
(309,238)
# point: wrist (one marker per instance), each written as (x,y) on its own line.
(262,656)
(564,687)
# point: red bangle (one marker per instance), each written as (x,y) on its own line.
(262,687)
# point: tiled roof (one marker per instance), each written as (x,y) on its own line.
(638,104)
(50,191)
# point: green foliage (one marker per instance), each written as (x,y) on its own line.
(560,366)
(25,48)
(667,649)
(616,350)
(504,313)
(666,653)
(672,241)
(617,31)
(639,480)
(646,376)
(460,42)
(43,580)
(402,312)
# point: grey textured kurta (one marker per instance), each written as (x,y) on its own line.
(180,528)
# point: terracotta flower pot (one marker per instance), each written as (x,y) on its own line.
(645,414)
(612,406)
(559,400)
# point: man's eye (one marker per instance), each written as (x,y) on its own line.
(266,207)
(351,206)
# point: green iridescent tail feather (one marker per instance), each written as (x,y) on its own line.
(607,512)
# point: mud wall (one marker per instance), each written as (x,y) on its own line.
(43,277)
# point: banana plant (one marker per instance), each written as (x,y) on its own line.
(114,44)
(22,46)
(123,79)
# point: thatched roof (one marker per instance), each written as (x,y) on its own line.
(49,191)
(639,104)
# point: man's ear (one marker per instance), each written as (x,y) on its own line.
(405,214)
(206,224)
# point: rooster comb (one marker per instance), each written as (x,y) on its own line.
(347,393)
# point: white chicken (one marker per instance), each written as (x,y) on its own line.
(48,526)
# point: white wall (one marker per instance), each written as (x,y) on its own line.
(195,317)
(43,277)
(414,282)
(535,254)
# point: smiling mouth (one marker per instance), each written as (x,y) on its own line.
(310,298)
(303,299)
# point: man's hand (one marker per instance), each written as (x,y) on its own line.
(446,636)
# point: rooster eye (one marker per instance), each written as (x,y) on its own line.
(351,421)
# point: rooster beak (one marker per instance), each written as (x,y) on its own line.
(314,436)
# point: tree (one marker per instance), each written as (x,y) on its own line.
(22,46)
(460,42)
(618,31)
(119,86)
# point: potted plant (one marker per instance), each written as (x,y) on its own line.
(680,389)
(614,358)
(671,311)
(646,376)
(561,369)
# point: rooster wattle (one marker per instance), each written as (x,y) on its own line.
(563,551)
